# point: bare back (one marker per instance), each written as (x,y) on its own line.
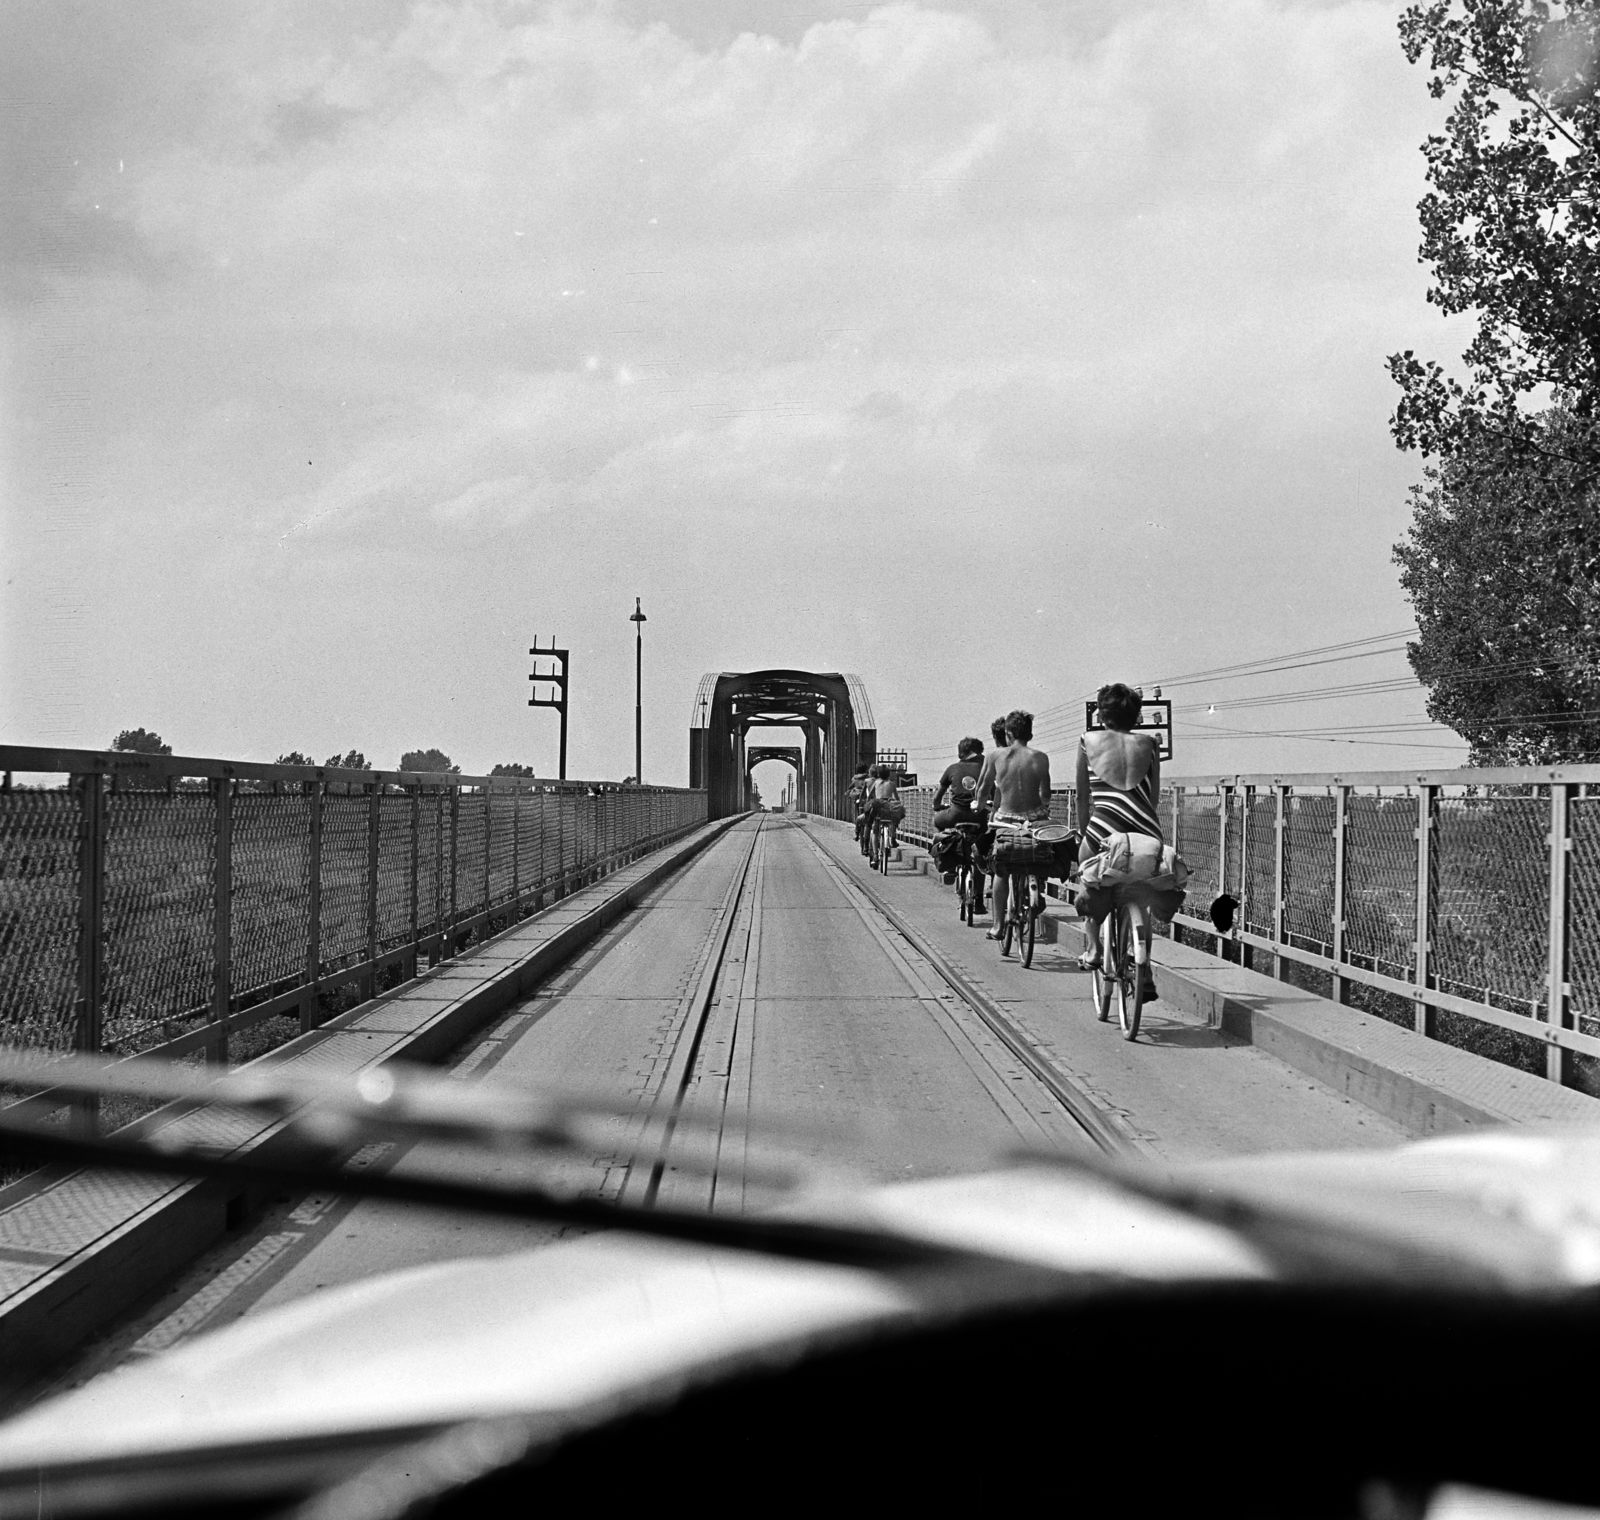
(1119,759)
(1022,778)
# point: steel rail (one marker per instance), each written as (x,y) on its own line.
(700,1012)
(1085,1112)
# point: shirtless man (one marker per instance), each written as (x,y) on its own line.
(1022,777)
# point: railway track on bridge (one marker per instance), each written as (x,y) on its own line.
(710,1075)
(926,962)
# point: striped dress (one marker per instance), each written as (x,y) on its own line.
(1112,810)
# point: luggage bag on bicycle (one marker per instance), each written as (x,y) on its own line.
(1016,850)
(949,850)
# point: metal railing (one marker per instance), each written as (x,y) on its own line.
(1473,892)
(159,903)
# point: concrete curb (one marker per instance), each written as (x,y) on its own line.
(1426,1087)
(144,1229)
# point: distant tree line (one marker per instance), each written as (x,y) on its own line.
(141,741)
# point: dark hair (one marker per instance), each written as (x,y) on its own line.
(863,769)
(998,729)
(967,748)
(1118,705)
(1019,725)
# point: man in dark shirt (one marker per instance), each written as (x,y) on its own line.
(960,781)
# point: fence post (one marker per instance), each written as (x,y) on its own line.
(416,871)
(1422,1015)
(1279,875)
(1555,1059)
(370,981)
(1242,917)
(455,861)
(1341,813)
(222,922)
(88,1030)
(1224,807)
(438,879)
(488,857)
(516,847)
(308,1003)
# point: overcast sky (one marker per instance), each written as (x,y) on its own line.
(989,350)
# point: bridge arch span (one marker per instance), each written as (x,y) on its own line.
(831,710)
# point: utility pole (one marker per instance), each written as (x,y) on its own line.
(559,681)
(638,620)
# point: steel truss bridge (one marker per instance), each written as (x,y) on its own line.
(831,711)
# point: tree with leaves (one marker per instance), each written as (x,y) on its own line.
(1511,229)
(294,757)
(137,741)
(1503,569)
(427,760)
(354,761)
(1504,550)
(513,770)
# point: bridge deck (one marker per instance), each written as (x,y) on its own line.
(810,1007)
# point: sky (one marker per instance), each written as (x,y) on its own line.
(988,350)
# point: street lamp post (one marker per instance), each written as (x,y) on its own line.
(638,620)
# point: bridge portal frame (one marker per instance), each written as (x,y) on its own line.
(829,708)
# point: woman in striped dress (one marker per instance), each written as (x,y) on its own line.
(1119,783)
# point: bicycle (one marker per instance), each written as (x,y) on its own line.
(882,836)
(1124,958)
(1024,902)
(967,873)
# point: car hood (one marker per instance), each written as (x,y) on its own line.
(566,1325)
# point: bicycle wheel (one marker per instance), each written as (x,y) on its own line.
(1029,925)
(963,889)
(1102,974)
(1008,925)
(1130,984)
(883,852)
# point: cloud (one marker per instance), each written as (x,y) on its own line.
(401,278)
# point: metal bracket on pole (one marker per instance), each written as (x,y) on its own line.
(558,679)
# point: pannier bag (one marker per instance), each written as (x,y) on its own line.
(1138,858)
(947,850)
(1097,901)
(1016,849)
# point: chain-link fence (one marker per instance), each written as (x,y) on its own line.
(1471,894)
(151,902)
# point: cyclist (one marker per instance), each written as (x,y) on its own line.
(857,793)
(1021,776)
(883,800)
(1119,785)
(960,782)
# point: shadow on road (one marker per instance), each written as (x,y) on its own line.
(1155,1030)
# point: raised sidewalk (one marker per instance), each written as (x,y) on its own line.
(1423,1085)
(77,1248)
